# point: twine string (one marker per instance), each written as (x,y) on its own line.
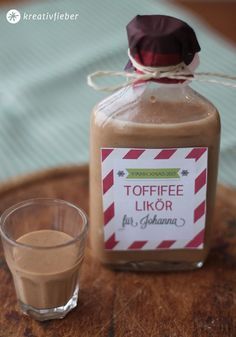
(176,72)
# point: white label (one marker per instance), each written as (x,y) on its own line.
(154,198)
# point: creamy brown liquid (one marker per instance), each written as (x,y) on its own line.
(148,122)
(45,278)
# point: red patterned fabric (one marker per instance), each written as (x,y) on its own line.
(160,40)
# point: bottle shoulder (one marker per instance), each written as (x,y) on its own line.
(149,104)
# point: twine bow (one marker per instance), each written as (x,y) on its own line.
(176,72)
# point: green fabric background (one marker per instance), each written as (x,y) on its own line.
(45,102)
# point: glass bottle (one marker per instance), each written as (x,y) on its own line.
(153,173)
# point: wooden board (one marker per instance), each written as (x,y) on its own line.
(200,303)
(219,14)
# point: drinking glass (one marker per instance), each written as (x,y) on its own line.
(44,241)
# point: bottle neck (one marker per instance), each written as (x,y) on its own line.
(174,69)
(167,92)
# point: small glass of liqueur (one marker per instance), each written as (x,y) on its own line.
(44,241)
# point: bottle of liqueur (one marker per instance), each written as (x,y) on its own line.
(154,159)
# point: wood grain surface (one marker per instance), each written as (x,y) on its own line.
(219,15)
(199,303)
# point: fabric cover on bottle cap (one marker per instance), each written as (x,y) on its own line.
(160,40)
